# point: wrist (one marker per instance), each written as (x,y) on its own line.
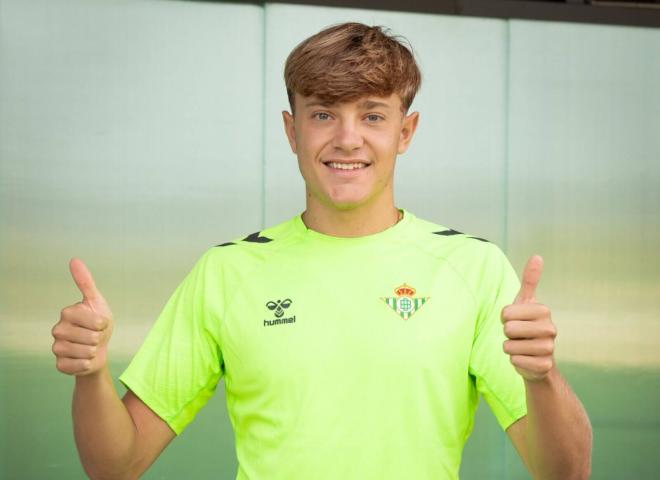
(100,375)
(549,379)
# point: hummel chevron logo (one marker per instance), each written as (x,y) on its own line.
(278,307)
(405,304)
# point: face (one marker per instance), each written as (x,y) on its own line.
(346,151)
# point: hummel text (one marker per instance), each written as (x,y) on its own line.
(279,321)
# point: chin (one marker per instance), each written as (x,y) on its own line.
(348,198)
(347,203)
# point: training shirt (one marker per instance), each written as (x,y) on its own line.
(352,358)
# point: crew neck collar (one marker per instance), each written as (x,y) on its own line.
(392,230)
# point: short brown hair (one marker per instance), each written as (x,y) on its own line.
(345,62)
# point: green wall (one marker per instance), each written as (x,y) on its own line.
(136,134)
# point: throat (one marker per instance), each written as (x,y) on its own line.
(351,223)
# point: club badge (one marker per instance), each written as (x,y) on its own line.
(405,304)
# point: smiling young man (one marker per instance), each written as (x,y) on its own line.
(354,338)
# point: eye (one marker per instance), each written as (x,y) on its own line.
(373,118)
(321,115)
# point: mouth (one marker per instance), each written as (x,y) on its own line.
(346,167)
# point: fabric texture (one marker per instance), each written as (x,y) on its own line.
(352,358)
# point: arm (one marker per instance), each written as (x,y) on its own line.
(554,440)
(115,438)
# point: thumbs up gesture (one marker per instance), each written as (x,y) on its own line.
(529,328)
(82,334)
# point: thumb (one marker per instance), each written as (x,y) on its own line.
(84,280)
(530,279)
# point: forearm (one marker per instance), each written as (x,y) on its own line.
(104,431)
(559,437)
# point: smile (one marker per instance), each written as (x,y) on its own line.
(346,166)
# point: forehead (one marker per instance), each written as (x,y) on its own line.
(393,102)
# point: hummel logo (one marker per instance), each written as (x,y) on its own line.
(279,306)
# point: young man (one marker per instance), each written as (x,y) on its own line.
(354,338)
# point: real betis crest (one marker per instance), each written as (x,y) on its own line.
(405,304)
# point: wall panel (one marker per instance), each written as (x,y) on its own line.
(130,136)
(585,193)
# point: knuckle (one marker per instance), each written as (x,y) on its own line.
(509,329)
(532,364)
(100,323)
(67,312)
(97,323)
(550,347)
(544,309)
(95,338)
(547,364)
(61,365)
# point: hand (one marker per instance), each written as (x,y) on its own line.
(529,327)
(82,334)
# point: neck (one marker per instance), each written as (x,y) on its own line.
(354,222)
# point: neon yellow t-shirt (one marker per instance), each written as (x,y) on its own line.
(352,358)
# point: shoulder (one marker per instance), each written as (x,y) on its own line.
(478,262)
(255,245)
(452,244)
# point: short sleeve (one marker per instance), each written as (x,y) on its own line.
(178,367)
(496,378)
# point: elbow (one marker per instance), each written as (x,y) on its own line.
(104,474)
(577,467)
(581,469)
(583,474)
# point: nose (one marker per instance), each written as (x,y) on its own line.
(347,137)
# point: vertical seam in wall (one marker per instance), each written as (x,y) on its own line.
(507,98)
(264,58)
(505,193)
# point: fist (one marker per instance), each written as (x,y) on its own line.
(81,336)
(529,328)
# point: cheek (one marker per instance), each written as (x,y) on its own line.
(387,153)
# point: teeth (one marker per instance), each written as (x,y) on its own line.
(346,166)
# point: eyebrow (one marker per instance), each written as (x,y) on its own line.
(367,104)
(317,103)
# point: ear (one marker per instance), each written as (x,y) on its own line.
(290,129)
(408,128)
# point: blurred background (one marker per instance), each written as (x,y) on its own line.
(137,134)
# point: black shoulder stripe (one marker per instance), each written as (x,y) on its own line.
(254,237)
(449,232)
